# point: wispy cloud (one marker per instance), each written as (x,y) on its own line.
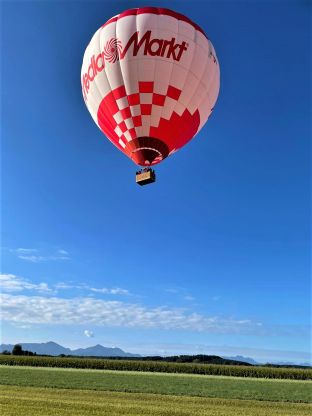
(88,333)
(62,285)
(12,283)
(181,292)
(34,256)
(44,307)
(102,290)
(23,326)
(25,250)
(86,310)
(189,298)
(107,291)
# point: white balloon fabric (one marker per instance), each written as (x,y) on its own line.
(150,79)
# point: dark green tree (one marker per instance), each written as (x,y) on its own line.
(17,350)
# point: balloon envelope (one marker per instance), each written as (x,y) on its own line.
(150,79)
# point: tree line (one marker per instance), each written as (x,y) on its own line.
(18,350)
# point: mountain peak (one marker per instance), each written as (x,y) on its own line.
(52,348)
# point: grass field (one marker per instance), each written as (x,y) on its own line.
(33,401)
(159,383)
(27,391)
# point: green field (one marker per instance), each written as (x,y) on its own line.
(159,383)
(158,366)
(33,401)
(74,392)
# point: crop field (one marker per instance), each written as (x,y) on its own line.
(157,366)
(39,391)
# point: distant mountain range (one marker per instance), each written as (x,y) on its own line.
(52,348)
(242,358)
(253,362)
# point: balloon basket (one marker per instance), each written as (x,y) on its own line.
(145,176)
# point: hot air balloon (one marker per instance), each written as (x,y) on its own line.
(150,79)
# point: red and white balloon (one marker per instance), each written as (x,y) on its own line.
(150,79)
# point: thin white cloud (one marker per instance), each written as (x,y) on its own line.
(38,259)
(107,291)
(88,333)
(62,285)
(34,256)
(22,326)
(102,290)
(13,283)
(25,250)
(91,311)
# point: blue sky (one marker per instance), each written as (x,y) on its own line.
(214,257)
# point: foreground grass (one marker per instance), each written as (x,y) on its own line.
(32,401)
(158,383)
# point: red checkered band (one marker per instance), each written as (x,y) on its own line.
(145,125)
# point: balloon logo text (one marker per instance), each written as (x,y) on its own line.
(113,52)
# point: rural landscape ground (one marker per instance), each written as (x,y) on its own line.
(44,391)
